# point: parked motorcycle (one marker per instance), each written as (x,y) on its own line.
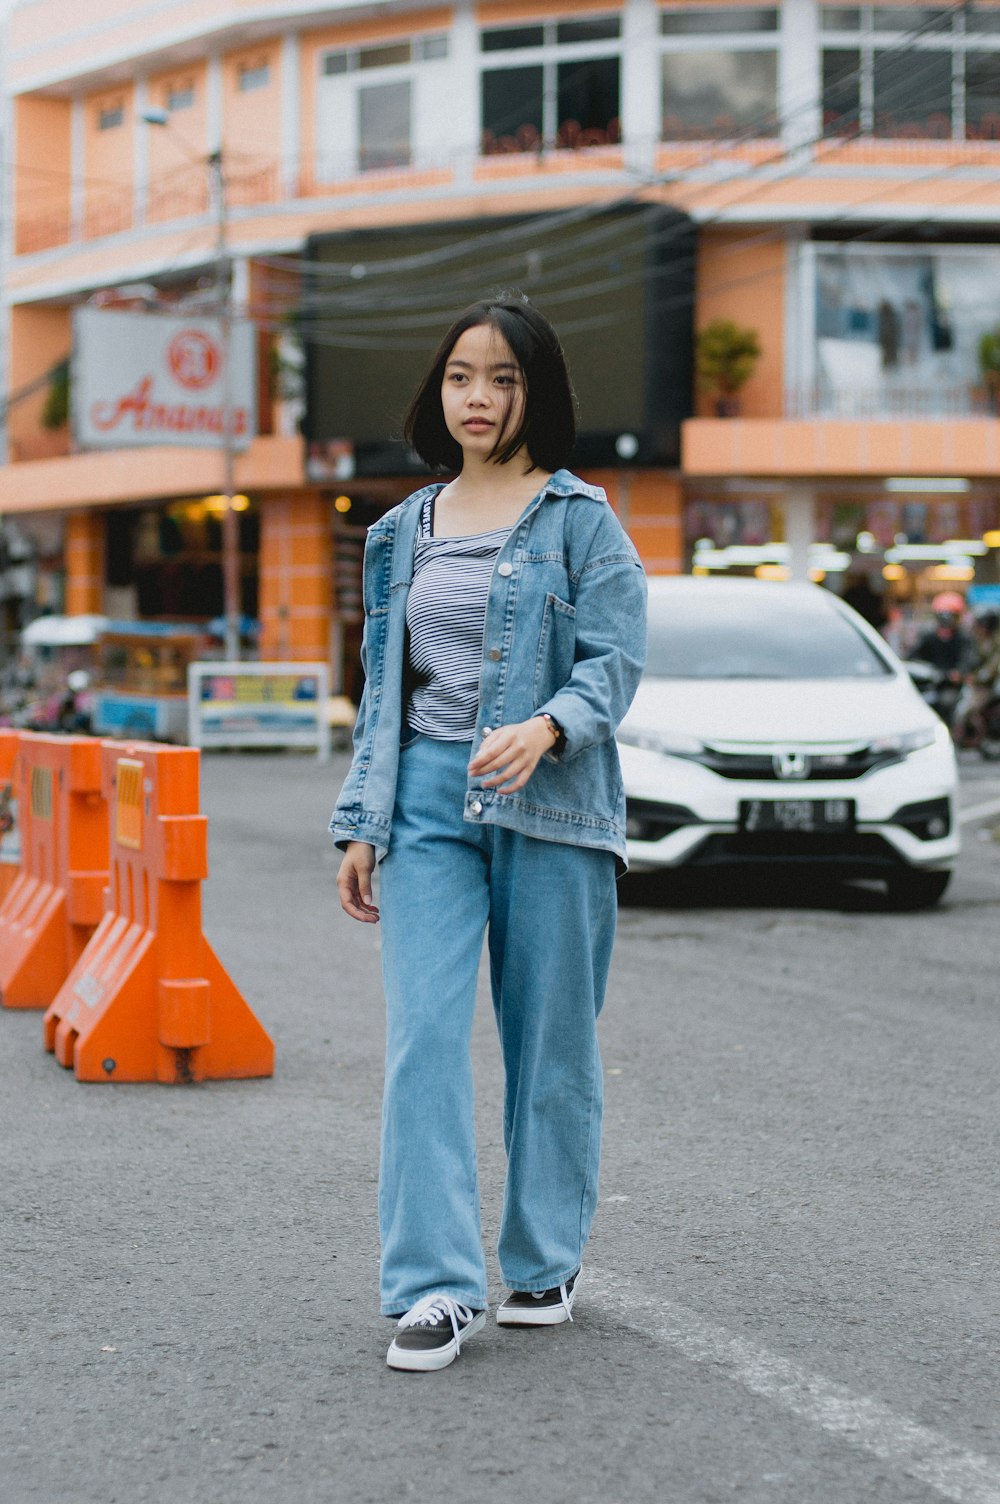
(938,687)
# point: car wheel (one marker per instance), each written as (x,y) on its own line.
(916,890)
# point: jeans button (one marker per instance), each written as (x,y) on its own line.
(494,655)
(476,806)
(505,569)
(487,730)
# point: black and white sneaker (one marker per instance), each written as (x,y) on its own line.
(544,1308)
(431,1334)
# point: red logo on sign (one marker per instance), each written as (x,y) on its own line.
(195,360)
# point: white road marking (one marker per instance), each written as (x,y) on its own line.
(979,812)
(914,1450)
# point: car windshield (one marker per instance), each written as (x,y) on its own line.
(695,636)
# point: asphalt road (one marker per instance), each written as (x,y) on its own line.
(791,1295)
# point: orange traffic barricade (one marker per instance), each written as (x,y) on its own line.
(57,898)
(10,835)
(149,999)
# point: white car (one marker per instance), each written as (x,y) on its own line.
(774,726)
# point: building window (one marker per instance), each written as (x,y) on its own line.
(384,125)
(180,96)
(109,116)
(897,329)
(383,106)
(256,75)
(555,84)
(982,96)
(720,19)
(915,72)
(726,88)
(390,55)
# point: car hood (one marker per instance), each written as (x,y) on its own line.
(771,711)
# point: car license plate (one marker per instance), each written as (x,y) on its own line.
(809,815)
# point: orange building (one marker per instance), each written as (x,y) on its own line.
(838,165)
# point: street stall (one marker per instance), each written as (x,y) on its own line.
(141,679)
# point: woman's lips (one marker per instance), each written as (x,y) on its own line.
(477,423)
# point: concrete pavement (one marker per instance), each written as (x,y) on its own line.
(791,1290)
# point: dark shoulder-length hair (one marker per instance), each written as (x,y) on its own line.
(547,428)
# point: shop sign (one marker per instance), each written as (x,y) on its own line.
(147,378)
(259,705)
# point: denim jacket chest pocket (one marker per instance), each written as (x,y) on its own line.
(556,648)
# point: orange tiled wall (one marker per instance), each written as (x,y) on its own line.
(741,276)
(296,578)
(650,505)
(41,173)
(84,563)
(108,163)
(177,185)
(39,339)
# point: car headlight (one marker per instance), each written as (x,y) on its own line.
(904,742)
(671,743)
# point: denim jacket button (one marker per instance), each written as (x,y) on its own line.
(476,806)
(505,569)
(494,655)
(487,730)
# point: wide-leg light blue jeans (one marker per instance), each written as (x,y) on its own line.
(550,912)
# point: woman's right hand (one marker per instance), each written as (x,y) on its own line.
(354,882)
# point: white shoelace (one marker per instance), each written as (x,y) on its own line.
(434,1308)
(565,1300)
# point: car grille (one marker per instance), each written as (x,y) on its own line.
(853,850)
(761,766)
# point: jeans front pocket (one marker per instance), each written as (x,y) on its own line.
(556,648)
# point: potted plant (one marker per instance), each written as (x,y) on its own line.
(725,357)
(55,412)
(989,365)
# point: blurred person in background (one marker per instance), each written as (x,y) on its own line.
(949,649)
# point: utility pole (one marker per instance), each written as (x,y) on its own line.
(230,522)
(231,603)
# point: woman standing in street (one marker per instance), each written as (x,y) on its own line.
(504,639)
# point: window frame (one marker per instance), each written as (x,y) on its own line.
(550,54)
(427,50)
(254,75)
(678,43)
(110,117)
(869,39)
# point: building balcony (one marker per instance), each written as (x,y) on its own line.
(818,447)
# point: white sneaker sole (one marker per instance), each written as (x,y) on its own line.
(533,1316)
(428,1360)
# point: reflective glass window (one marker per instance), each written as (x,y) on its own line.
(604,29)
(512,101)
(506,38)
(696,637)
(913,95)
(384,125)
(589,106)
(982,96)
(714,94)
(841,90)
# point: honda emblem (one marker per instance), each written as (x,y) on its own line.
(790,764)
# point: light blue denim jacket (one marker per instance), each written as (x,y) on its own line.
(565,633)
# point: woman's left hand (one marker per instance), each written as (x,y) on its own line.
(510,754)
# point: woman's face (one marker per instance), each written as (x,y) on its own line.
(482,391)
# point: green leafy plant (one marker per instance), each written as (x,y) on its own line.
(989,363)
(726,355)
(55,413)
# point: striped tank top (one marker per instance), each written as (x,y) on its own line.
(446,618)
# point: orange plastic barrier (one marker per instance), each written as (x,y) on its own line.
(57,898)
(149,1000)
(10,836)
